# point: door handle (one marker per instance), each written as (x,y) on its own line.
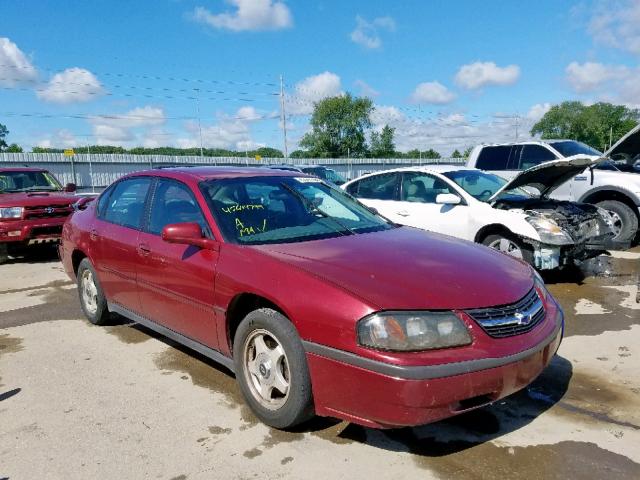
(143,249)
(93,234)
(403,213)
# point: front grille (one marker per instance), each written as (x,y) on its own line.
(47,211)
(47,231)
(508,320)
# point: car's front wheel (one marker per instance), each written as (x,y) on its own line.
(271,369)
(508,244)
(92,299)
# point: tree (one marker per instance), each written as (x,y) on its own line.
(14,148)
(596,125)
(456,154)
(431,154)
(382,145)
(3,134)
(338,127)
(467,152)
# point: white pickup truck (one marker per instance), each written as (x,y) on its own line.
(603,185)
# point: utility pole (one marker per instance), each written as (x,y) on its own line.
(610,136)
(283,118)
(199,121)
(517,117)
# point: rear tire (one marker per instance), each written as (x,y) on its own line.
(271,369)
(4,253)
(92,299)
(624,218)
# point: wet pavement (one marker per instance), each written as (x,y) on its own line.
(78,401)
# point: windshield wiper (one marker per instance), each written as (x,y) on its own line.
(314,209)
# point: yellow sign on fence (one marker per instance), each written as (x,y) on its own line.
(69,152)
(258,157)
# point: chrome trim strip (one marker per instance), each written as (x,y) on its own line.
(186,341)
(427,372)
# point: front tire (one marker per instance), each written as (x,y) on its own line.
(509,244)
(4,253)
(625,221)
(92,299)
(271,369)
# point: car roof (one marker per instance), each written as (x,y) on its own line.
(528,142)
(439,168)
(211,173)
(22,169)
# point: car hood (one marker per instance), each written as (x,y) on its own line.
(406,268)
(36,199)
(548,176)
(628,147)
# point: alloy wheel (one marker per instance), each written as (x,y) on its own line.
(266,369)
(507,246)
(89,292)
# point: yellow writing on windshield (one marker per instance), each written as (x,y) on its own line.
(240,208)
(243,230)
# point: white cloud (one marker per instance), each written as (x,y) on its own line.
(447,132)
(617,24)
(59,139)
(480,74)
(432,92)
(312,89)
(129,128)
(71,86)
(15,67)
(367,34)
(250,15)
(366,89)
(229,131)
(609,83)
(537,111)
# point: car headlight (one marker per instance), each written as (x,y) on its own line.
(549,231)
(540,287)
(411,331)
(11,212)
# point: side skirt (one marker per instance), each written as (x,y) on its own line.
(186,341)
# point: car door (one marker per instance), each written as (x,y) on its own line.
(114,240)
(378,191)
(418,208)
(176,282)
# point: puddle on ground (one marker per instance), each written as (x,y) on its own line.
(9,344)
(128,333)
(488,461)
(59,304)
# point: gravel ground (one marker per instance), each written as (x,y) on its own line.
(78,401)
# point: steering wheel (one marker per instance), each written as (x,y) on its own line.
(486,192)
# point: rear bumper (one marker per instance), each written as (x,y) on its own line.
(31,231)
(382,395)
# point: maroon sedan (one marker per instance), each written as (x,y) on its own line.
(318,305)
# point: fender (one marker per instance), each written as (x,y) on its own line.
(622,191)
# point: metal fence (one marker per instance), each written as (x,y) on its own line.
(95,171)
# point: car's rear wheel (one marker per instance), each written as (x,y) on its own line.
(508,244)
(4,253)
(271,369)
(92,299)
(625,221)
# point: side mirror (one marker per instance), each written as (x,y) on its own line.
(188,234)
(83,203)
(448,199)
(70,188)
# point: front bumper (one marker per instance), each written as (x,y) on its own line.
(549,257)
(46,230)
(382,395)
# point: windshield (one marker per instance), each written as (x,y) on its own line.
(568,148)
(27,181)
(326,174)
(482,185)
(279,209)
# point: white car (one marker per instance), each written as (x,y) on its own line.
(613,183)
(481,207)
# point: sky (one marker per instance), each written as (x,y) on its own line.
(445,74)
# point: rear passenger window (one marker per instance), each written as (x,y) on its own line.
(494,158)
(533,155)
(377,187)
(126,202)
(173,202)
(422,188)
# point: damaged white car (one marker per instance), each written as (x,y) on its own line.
(515,217)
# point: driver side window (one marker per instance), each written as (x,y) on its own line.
(422,188)
(173,202)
